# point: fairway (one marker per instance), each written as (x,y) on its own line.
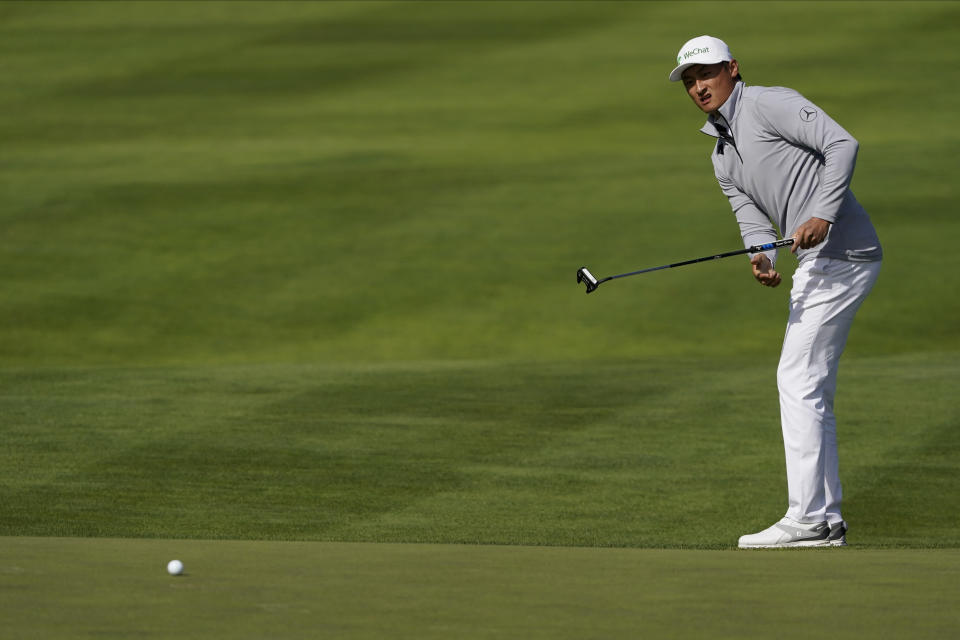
(588,453)
(289,293)
(82,588)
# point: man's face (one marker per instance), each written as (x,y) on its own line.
(709,85)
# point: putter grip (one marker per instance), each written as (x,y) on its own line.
(770,245)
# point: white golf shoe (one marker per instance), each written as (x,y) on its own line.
(788,533)
(838,534)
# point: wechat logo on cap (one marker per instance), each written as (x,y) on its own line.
(694,52)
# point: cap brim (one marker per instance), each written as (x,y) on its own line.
(676,73)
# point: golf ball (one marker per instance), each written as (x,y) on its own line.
(174,567)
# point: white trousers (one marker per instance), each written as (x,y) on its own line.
(825,297)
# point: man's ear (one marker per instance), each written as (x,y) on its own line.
(734,67)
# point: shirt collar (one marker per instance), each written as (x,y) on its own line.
(727,111)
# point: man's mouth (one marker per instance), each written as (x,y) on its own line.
(704,99)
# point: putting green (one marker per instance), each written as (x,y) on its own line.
(86,588)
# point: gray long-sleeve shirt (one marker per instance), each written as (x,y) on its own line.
(781,160)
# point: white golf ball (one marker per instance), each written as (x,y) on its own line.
(174,567)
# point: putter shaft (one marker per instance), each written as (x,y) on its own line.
(584,275)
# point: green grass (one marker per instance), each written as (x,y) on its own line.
(81,588)
(369,182)
(656,453)
(299,271)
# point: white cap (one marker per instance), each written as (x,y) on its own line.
(700,50)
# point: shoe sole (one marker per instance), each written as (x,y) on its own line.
(800,544)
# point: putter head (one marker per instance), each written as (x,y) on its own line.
(584,276)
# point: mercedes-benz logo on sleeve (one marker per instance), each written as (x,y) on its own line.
(808,114)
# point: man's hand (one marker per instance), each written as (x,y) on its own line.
(810,234)
(763,270)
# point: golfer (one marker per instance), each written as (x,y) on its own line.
(786,166)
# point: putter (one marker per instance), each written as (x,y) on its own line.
(584,275)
